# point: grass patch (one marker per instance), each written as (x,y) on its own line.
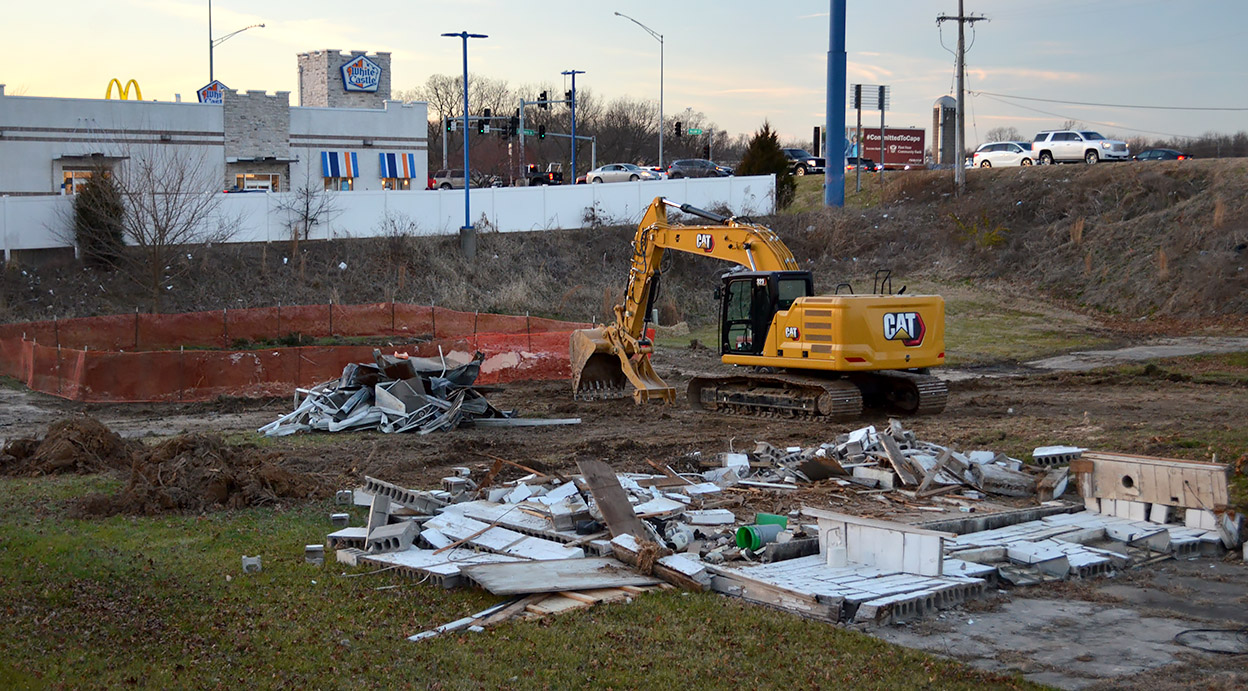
(162,602)
(809,193)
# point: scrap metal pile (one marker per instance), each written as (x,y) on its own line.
(398,394)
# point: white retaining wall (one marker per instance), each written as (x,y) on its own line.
(39,222)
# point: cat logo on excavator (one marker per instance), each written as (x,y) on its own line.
(907,327)
(704,242)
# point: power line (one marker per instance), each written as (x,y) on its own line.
(1113,105)
(1091,122)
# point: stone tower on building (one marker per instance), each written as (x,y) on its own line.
(332,79)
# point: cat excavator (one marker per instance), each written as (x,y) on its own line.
(802,355)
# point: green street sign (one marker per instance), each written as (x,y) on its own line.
(694,130)
(529,132)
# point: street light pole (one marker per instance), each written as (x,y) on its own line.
(659,37)
(467,237)
(214,42)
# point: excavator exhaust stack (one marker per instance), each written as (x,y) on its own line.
(602,369)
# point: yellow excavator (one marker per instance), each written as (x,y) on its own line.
(805,355)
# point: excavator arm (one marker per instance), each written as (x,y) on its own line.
(606,359)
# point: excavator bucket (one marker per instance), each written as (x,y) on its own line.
(601,370)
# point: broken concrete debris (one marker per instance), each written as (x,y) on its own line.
(556,542)
(397,394)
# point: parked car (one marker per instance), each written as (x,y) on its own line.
(1002,154)
(1161,155)
(620,172)
(801,162)
(697,168)
(447,179)
(854,162)
(1069,146)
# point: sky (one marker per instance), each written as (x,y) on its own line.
(740,62)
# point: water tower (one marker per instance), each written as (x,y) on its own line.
(945,130)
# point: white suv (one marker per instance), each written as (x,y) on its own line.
(1067,146)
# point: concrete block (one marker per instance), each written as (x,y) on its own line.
(1092,504)
(344,497)
(314,554)
(251,564)
(455,485)
(1159,513)
(340,520)
(349,556)
(1201,519)
(884,478)
(396,537)
(497,494)
(1136,510)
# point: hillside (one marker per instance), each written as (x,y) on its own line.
(1159,241)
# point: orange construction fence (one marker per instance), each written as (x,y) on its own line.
(187,357)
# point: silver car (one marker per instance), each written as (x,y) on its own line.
(620,172)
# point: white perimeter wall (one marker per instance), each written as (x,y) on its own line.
(28,223)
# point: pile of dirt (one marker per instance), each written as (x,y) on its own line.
(197,473)
(74,445)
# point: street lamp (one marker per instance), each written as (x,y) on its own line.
(214,42)
(467,242)
(659,37)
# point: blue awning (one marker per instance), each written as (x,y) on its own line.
(339,164)
(396,165)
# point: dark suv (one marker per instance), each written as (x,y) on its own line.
(801,162)
(697,168)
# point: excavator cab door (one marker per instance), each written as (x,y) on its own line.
(749,302)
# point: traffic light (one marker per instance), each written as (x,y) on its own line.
(567,96)
(513,125)
(450,124)
(480,126)
(680,129)
(541,101)
(541,131)
(706,151)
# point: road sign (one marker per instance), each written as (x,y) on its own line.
(529,133)
(694,130)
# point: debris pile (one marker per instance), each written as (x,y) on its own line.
(398,394)
(570,538)
(896,459)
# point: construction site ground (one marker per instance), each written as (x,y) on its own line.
(1036,266)
(1071,635)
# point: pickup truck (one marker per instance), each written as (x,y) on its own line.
(534,176)
(801,162)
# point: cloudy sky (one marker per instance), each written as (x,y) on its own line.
(738,61)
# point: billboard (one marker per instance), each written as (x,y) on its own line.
(904,147)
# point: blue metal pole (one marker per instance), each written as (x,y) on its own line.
(467,177)
(834,125)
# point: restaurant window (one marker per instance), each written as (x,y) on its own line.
(339,169)
(258,181)
(397,170)
(73,181)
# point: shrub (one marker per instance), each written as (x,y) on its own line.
(98,229)
(763,156)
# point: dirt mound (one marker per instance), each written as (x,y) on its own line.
(73,445)
(195,473)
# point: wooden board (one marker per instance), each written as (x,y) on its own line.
(612,501)
(555,576)
(899,461)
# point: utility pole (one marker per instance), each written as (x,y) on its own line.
(959,140)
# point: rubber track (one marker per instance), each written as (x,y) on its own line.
(933,393)
(748,393)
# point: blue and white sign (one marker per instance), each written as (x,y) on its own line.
(213,93)
(361,74)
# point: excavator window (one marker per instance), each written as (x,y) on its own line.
(750,302)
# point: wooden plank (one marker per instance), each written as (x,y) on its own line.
(612,501)
(898,460)
(555,576)
(941,462)
(512,610)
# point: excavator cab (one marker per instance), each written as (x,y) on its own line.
(749,301)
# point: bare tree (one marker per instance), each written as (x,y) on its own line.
(1004,134)
(307,205)
(171,199)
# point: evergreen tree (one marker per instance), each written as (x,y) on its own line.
(98,211)
(763,156)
